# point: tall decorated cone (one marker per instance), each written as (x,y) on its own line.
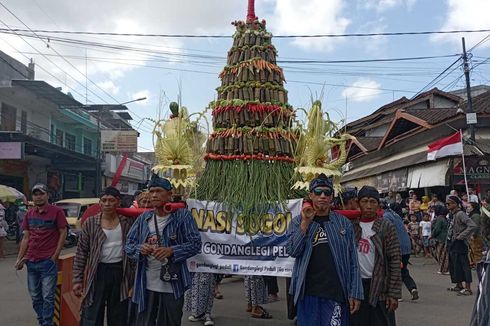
(249,155)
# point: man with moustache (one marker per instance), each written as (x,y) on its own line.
(379,262)
(161,243)
(325,283)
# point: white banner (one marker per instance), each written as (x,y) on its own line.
(227,249)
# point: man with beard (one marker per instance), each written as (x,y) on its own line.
(44,235)
(379,262)
(325,283)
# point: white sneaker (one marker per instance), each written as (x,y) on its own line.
(192,318)
(208,321)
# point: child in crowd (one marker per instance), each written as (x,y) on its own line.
(425,226)
(3,230)
(414,232)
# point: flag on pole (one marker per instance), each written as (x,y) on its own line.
(452,145)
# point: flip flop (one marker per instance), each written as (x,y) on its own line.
(263,314)
(455,289)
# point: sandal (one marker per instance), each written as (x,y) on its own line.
(218,295)
(262,314)
(455,289)
(249,308)
(465,292)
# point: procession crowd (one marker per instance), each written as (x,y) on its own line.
(133,271)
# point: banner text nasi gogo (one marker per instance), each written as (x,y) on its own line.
(227,249)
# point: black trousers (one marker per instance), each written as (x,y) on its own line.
(459,264)
(292,311)
(369,315)
(271,282)
(162,309)
(406,278)
(106,295)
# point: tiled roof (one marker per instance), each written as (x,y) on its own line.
(437,91)
(433,116)
(370,143)
(481,103)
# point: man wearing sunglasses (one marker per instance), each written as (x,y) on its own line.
(326,283)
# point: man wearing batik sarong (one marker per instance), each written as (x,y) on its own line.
(326,282)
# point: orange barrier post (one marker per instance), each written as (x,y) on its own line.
(69,304)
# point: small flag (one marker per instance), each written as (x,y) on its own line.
(452,145)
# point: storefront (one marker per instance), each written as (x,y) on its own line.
(477,173)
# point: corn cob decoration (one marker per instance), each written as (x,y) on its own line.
(315,143)
(178,149)
(250,155)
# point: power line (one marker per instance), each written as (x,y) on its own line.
(276,36)
(1,4)
(435,80)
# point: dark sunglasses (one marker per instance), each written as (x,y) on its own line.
(319,192)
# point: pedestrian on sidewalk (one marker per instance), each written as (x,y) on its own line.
(405,246)
(102,273)
(272,288)
(425,229)
(379,262)
(461,227)
(481,312)
(44,235)
(439,234)
(199,299)
(160,243)
(476,241)
(256,294)
(4,227)
(325,282)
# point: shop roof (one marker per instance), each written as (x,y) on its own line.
(48,92)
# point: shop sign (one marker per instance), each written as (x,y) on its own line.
(477,170)
(125,141)
(11,151)
(392,181)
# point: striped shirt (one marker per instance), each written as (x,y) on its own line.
(341,241)
(89,253)
(386,281)
(181,229)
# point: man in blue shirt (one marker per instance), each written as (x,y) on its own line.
(326,283)
(161,243)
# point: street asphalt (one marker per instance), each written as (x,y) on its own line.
(436,305)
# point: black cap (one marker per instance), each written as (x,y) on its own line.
(111,191)
(157,181)
(369,192)
(321,181)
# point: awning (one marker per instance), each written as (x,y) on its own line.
(359,183)
(48,92)
(428,175)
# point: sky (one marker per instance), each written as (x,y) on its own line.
(116,69)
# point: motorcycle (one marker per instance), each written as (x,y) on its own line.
(71,238)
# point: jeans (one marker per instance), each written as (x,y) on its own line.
(41,282)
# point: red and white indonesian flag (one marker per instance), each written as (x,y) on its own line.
(452,145)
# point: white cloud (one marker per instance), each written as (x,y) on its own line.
(468,14)
(109,86)
(384,5)
(141,94)
(295,17)
(362,90)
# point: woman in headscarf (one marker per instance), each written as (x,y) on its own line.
(439,234)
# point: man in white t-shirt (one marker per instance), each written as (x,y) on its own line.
(379,257)
(472,197)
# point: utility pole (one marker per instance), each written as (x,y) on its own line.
(98,181)
(469,108)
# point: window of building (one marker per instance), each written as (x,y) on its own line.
(23,122)
(71,141)
(9,117)
(59,137)
(87,146)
